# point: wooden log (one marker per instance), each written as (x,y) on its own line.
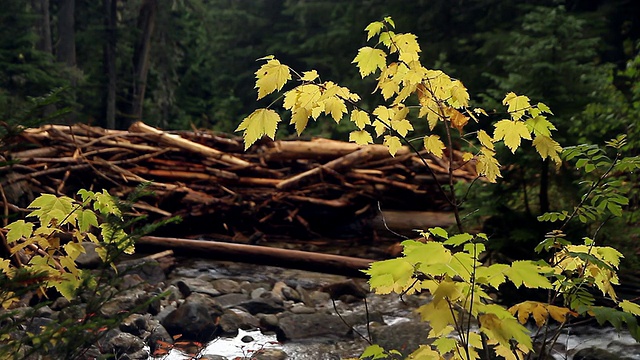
(338,164)
(405,222)
(177,141)
(255,254)
(320,149)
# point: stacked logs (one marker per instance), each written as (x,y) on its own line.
(299,188)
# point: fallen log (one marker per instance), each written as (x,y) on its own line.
(339,164)
(405,222)
(177,141)
(323,149)
(254,254)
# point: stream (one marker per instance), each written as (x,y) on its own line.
(393,311)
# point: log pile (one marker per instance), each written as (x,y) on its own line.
(299,188)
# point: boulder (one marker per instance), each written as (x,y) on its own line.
(305,326)
(192,321)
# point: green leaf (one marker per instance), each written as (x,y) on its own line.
(374,352)
(86,219)
(458,239)
(529,274)
(49,207)
(440,232)
(19,229)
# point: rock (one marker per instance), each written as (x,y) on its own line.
(212,306)
(148,269)
(269,354)
(347,287)
(247,339)
(291,294)
(193,321)
(319,298)
(234,319)
(226,286)
(598,354)
(127,301)
(60,303)
(268,321)
(256,293)
(159,339)
(405,337)
(90,259)
(37,324)
(264,305)
(304,326)
(231,300)
(125,343)
(188,286)
(304,296)
(302,309)
(135,324)
(212,357)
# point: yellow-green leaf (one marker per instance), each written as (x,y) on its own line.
(271,77)
(488,165)
(523,272)
(86,219)
(434,145)
(547,147)
(539,125)
(360,137)
(369,60)
(630,307)
(309,75)
(518,105)
(485,139)
(360,118)
(402,126)
(19,229)
(261,122)
(373,29)
(393,143)
(512,132)
(407,46)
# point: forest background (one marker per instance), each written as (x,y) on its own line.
(180,64)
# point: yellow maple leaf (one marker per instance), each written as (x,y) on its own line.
(539,125)
(369,60)
(459,95)
(467,156)
(560,314)
(271,77)
(393,143)
(547,147)
(380,127)
(407,46)
(401,126)
(485,139)
(374,29)
(360,118)
(258,123)
(384,113)
(434,145)
(511,131)
(300,118)
(630,307)
(488,165)
(309,75)
(360,137)
(335,107)
(518,105)
(458,120)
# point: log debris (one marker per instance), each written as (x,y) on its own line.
(302,189)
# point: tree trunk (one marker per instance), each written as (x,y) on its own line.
(43,25)
(66,50)
(110,21)
(544,186)
(146,24)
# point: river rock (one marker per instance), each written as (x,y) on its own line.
(90,259)
(598,354)
(126,344)
(148,269)
(264,305)
(226,286)
(305,326)
(231,300)
(193,321)
(405,337)
(269,354)
(135,324)
(159,338)
(234,319)
(189,285)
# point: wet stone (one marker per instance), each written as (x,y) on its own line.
(226,286)
(193,321)
(231,300)
(269,354)
(306,326)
